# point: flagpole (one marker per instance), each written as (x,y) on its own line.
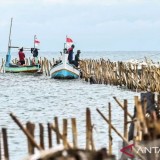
(34,40)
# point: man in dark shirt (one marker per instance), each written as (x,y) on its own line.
(21,56)
(77,59)
(70,54)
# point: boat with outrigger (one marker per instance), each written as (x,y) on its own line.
(63,69)
(16,67)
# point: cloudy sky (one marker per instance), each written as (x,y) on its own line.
(94,25)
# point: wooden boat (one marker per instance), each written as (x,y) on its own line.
(64,70)
(15,68)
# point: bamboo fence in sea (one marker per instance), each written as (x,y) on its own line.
(129,75)
(53,129)
(146,127)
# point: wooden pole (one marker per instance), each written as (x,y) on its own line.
(110,129)
(5,143)
(65,133)
(88,136)
(119,134)
(74,132)
(49,135)
(34,40)
(25,132)
(122,106)
(57,130)
(30,127)
(41,135)
(89,129)
(2,66)
(60,135)
(125,119)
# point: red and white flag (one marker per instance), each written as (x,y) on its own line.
(36,41)
(69,42)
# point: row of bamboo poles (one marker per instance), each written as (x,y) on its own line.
(129,75)
(46,64)
(146,128)
(61,138)
(132,76)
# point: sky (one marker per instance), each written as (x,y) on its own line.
(94,25)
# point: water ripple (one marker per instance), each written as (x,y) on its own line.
(40,99)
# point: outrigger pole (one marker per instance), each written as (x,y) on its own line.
(24,48)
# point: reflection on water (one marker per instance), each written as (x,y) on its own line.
(39,99)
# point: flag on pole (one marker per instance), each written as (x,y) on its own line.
(36,41)
(69,42)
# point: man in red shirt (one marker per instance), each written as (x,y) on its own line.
(21,56)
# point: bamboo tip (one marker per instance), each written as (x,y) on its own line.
(11,114)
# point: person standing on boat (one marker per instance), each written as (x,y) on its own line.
(34,51)
(21,56)
(77,59)
(70,54)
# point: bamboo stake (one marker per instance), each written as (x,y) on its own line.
(41,136)
(109,129)
(57,130)
(2,65)
(60,135)
(5,143)
(88,135)
(119,134)
(45,64)
(25,131)
(125,119)
(65,133)
(74,132)
(49,135)
(122,106)
(30,127)
(48,70)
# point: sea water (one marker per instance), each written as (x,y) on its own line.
(39,99)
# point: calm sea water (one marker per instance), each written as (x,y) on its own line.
(39,99)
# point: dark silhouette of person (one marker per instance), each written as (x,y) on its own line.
(70,54)
(77,58)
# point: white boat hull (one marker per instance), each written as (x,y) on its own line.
(64,70)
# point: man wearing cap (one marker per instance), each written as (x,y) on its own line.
(77,59)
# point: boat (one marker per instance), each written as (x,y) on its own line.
(64,70)
(16,68)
